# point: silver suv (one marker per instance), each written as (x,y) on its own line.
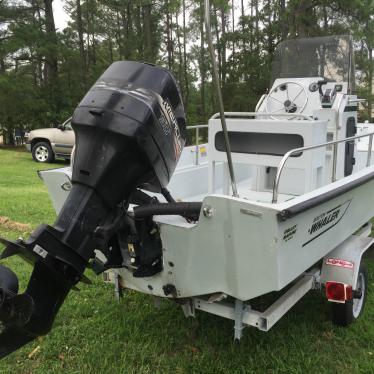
(46,144)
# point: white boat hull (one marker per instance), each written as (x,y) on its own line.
(245,249)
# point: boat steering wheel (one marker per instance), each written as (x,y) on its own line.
(287,97)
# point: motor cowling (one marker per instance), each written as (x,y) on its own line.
(133,115)
(130,132)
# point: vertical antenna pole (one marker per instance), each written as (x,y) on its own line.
(219,96)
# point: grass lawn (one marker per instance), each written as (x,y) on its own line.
(94,333)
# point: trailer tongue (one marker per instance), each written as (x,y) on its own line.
(130,132)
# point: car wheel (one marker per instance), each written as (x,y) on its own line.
(42,152)
(345,314)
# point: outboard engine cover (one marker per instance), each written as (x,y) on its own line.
(134,104)
(130,132)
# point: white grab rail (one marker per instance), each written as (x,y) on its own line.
(262,114)
(302,149)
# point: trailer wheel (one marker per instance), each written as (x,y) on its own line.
(345,314)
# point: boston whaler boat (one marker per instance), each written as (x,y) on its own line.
(273,202)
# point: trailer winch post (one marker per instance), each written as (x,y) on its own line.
(219,97)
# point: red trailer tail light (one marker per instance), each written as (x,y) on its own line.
(338,292)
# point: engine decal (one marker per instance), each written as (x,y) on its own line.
(289,233)
(326,221)
(339,263)
(170,126)
(166,119)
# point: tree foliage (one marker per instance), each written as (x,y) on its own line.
(44,72)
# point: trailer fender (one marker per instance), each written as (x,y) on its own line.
(343,262)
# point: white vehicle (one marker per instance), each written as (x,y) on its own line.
(47,144)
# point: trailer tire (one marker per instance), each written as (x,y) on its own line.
(345,314)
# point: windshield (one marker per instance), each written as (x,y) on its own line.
(329,57)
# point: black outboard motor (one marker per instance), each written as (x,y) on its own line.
(130,132)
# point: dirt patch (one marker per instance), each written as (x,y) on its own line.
(13,225)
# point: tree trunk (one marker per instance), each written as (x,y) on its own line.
(51,63)
(88,33)
(257,31)
(202,68)
(169,46)
(39,57)
(2,65)
(233,26)
(180,58)
(81,44)
(147,33)
(370,83)
(218,43)
(51,59)
(139,35)
(270,32)
(185,64)
(110,47)
(93,44)
(282,16)
(223,46)
(119,38)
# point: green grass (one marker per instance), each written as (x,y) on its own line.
(22,195)
(94,333)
